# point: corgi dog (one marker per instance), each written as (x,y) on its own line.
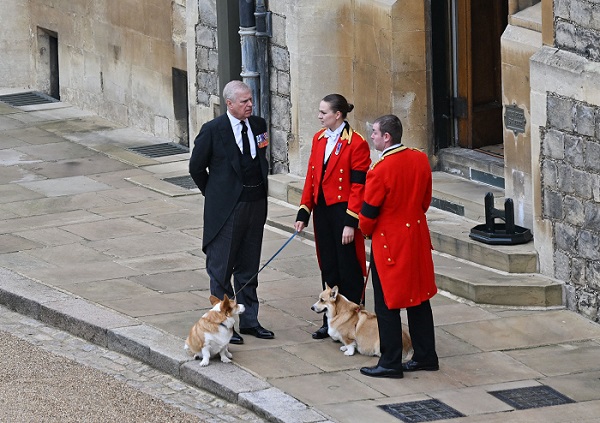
(354,327)
(211,333)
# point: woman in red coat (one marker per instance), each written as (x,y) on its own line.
(397,195)
(333,193)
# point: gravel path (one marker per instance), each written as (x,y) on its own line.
(47,375)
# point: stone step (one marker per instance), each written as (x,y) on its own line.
(483,286)
(473,165)
(463,197)
(450,235)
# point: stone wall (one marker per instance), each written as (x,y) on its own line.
(565,100)
(577,26)
(570,165)
(115,57)
(15,45)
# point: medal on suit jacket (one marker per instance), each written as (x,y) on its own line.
(338,147)
(262,140)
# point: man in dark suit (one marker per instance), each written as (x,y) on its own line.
(229,165)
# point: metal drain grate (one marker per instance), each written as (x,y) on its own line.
(532,397)
(182,181)
(421,411)
(29,98)
(160,150)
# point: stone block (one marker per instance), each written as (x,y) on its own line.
(565,178)
(562,9)
(582,184)
(588,304)
(560,112)
(276,405)
(223,379)
(553,204)
(280,58)
(592,156)
(585,117)
(84,319)
(593,274)
(554,144)
(581,13)
(592,216)
(205,37)
(565,236)
(566,35)
(588,245)
(562,268)
(574,211)
(578,276)
(150,345)
(207,13)
(280,113)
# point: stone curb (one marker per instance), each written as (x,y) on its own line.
(158,349)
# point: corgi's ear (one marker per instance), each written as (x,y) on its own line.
(213,300)
(226,301)
(334,292)
(327,286)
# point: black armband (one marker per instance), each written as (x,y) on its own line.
(358,177)
(369,211)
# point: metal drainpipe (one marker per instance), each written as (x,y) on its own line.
(263,32)
(247,33)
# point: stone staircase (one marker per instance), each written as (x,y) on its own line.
(501,275)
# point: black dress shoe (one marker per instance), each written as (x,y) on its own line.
(321,333)
(379,371)
(236,339)
(413,366)
(258,331)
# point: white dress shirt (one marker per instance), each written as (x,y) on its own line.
(236,125)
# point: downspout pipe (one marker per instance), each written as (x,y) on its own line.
(263,32)
(247,33)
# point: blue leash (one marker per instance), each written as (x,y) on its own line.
(268,261)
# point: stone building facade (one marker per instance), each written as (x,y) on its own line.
(123,59)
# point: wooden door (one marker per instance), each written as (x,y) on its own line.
(480,24)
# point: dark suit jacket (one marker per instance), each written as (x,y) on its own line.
(216,170)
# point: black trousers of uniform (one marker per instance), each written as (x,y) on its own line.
(420,326)
(236,251)
(339,264)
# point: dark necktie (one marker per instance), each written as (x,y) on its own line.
(245,140)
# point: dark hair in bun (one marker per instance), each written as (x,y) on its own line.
(339,103)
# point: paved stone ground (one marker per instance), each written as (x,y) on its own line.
(49,375)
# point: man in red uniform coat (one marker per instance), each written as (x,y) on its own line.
(397,195)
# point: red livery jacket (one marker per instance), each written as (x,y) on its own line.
(343,180)
(397,195)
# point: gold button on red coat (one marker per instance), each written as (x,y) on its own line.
(339,197)
(341,170)
(341,188)
(408,225)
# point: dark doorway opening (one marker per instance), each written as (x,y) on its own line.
(54,76)
(180,106)
(48,70)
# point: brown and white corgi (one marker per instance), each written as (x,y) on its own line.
(354,327)
(211,333)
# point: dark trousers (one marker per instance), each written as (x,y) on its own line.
(339,264)
(420,326)
(236,251)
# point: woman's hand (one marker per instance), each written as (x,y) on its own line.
(299,225)
(347,235)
